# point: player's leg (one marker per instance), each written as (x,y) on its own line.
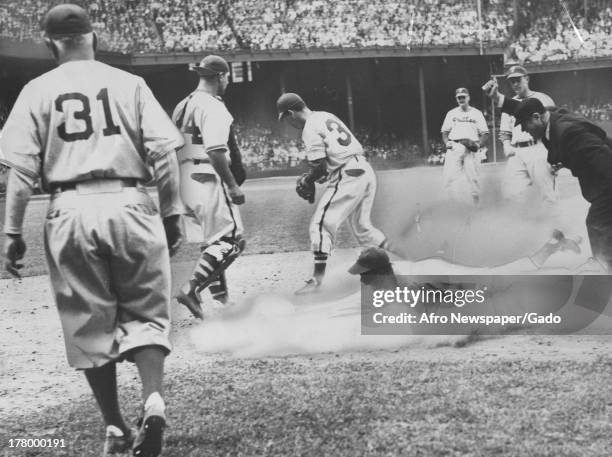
(223,229)
(80,278)
(540,171)
(516,180)
(140,278)
(599,229)
(218,289)
(360,218)
(323,227)
(470,168)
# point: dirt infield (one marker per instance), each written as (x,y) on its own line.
(429,396)
(506,395)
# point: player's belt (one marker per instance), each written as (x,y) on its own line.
(523,144)
(66,186)
(194,161)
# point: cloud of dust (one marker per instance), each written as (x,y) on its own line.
(273,325)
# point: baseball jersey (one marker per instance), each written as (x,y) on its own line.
(516,133)
(462,125)
(85,120)
(326,137)
(205,124)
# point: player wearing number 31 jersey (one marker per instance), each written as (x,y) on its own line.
(90,133)
(336,157)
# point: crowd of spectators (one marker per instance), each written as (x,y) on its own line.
(264,149)
(570,35)
(600,111)
(538,31)
(196,25)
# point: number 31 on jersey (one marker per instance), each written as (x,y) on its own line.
(84,115)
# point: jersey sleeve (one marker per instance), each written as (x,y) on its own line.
(547,101)
(481,123)
(20,142)
(447,124)
(506,124)
(215,126)
(314,142)
(159,135)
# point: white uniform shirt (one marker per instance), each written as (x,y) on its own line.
(327,137)
(205,123)
(85,120)
(461,125)
(518,135)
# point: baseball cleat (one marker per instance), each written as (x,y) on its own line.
(191,301)
(148,443)
(312,286)
(116,442)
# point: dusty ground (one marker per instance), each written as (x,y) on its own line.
(34,373)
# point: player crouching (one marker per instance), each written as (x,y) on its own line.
(335,157)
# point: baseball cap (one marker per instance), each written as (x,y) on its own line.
(516,71)
(371,258)
(462,91)
(210,66)
(288,101)
(526,108)
(66,20)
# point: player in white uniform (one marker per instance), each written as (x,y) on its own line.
(464,125)
(527,159)
(336,157)
(89,133)
(209,189)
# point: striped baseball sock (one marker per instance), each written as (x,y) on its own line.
(320,264)
(218,288)
(206,265)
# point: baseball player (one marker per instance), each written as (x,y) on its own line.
(89,132)
(464,131)
(527,164)
(335,157)
(211,175)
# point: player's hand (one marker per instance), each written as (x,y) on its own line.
(491,89)
(236,195)
(449,145)
(174,234)
(14,250)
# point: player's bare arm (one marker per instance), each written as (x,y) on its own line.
(218,159)
(18,193)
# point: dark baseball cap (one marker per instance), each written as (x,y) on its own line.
(210,66)
(526,108)
(516,71)
(66,20)
(372,258)
(462,91)
(289,101)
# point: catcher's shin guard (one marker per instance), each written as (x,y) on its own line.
(215,258)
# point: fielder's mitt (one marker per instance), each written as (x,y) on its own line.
(471,145)
(305,189)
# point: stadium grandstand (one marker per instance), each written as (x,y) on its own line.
(388,67)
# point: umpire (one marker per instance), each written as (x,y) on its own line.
(575,143)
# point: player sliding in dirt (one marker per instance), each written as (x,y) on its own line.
(374,263)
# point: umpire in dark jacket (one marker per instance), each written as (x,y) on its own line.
(575,143)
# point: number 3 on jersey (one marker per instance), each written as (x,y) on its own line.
(344,136)
(84,114)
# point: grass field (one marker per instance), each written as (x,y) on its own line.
(500,396)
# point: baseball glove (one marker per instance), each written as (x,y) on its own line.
(471,145)
(305,189)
